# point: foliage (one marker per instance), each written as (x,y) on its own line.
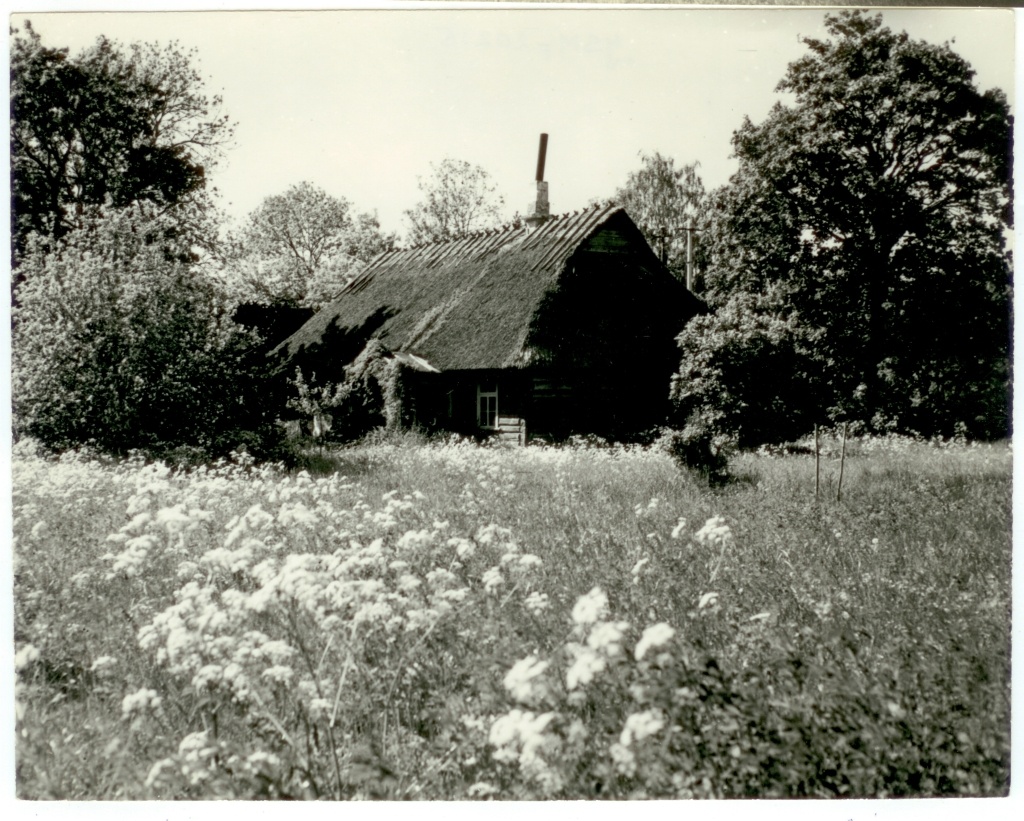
(664,201)
(119,343)
(455,621)
(341,412)
(699,447)
(300,248)
(744,370)
(366,398)
(457,198)
(109,126)
(879,202)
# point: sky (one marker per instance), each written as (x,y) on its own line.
(361,102)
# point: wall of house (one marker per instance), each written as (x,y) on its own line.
(605,343)
(450,401)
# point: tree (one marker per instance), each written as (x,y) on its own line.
(876,207)
(300,248)
(120,343)
(108,127)
(664,201)
(458,198)
(742,366)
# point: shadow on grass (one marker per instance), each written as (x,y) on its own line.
(327,463)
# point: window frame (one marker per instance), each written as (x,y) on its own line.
(481,395)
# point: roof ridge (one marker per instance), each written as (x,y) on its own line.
(507,227)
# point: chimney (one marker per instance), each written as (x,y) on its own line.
(539,210)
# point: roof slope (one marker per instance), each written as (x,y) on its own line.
(467,303)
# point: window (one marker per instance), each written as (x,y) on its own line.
(487,405)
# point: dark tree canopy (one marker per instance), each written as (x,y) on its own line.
(875,207)
(111,126)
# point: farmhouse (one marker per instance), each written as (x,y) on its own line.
(561,325)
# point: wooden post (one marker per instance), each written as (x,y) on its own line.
(842,462)
(817,463)
(689,257)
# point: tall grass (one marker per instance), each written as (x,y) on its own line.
(452,621)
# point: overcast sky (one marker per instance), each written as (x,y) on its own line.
(361,102)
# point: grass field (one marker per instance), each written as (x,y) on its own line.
(452,621)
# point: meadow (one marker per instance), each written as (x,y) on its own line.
(421,621)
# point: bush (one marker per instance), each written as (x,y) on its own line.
(368,397)
(699,448)
(744,374)
(121,344)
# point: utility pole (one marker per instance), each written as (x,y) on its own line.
(689,256)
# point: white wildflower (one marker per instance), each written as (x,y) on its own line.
(588,664)
(257,518)
(492,579)
(195,746)
(415,540)
(139,702)
(261,758)
(407,583)
(481,789)
(320,708)
(137,523)
(420,619)
(590,608)
(208,676)
(279,674)
(519,734)
(606,637)
(102,664)
(536,603)
(640,726)
(27,655)
(489,534)
(458,595)
(439,577)
(654,636)
(173,519)
(714,533)
(464,548)
(625,761)
(519,681)
(529,560)
(157,770)
(296,513)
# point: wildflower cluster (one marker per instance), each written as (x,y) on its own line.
(450,621)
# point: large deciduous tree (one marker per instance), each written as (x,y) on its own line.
(110,126)
(457,198)
(874,209)
(664,201)
(300,248)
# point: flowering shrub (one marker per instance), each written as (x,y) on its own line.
(119,342)
(463,622)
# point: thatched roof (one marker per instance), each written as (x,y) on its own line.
(468,303)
